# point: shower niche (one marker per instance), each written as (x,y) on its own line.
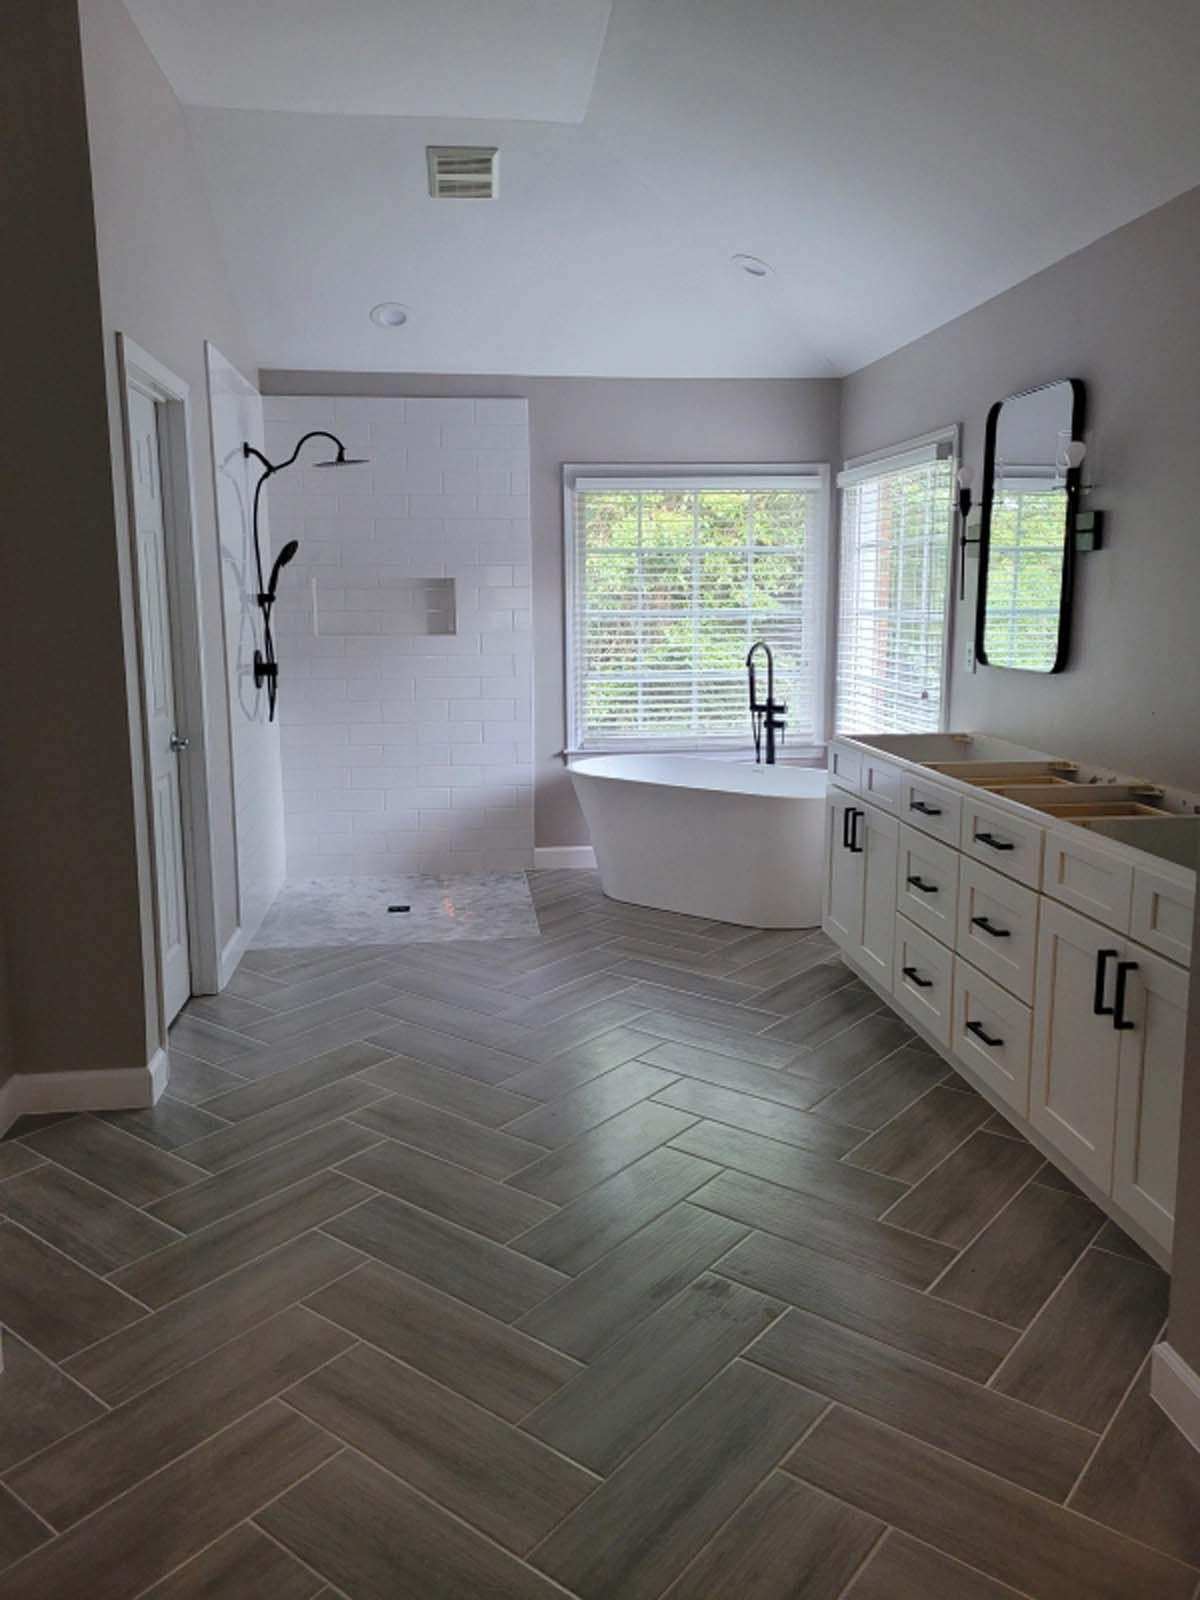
(399,608)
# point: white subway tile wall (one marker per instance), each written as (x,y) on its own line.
(403,631)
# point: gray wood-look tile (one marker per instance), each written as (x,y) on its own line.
(632,1281)
(248,984)
(569,998)
(104,1155)
(549,979)
(959,1340)
(846,1057)
(672,1028)
(17,1158)
(167,1125)
(581,1065)
(1000,1124)
(727,990)
(426,1022)
(211,1252)
(573,1168)
(227,1009)
(640,1529)
(1145,1478)
(490,1208)
(885,1090)
(307,992)
(1118,1241)
(88,1224)
(487,1361)
(244,1141)
(600,1219)
(486,1151)
(208,1041)
(289,1024)
(864,1193)
(916,1141)
(83,1472)
(825,1019)
(1081,1352)
(965,1192)
(250,1100)
(642,1379)
(38,1403)
(1020,1258)
(451,988)
(871,1246)
(783,1088)
(552,1038)
(194,1081)
(204,1203)
(53,1304)
(578,1110)
(188,1329)
(803,989)
(754,1115)
(377,1539)
(268,1059)
(1013,1441)
(1019,1538)
(788,1542)
(20,1530)
(654,998)
(452,1091)
(902,1569)
(489,1063)
(244,1565)
(186,1506)
(456,1260)
(492,1475)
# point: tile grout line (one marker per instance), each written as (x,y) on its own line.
(1107,1429)
(1047,1302)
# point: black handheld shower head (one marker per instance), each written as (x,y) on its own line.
(281,561)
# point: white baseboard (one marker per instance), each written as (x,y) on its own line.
(1176,1387)
(233,952)
(122,1089)
(564,855)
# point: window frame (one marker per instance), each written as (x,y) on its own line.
(652,476)
(939,444)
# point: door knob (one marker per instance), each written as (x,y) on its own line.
(179,742)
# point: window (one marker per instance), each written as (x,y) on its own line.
(671,578)
(893,589)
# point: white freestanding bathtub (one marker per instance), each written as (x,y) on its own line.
(726,840)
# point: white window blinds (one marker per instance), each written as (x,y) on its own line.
(670,581)
(893,577)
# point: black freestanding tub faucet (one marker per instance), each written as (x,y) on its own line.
(766,716)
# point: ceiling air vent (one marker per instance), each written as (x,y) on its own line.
(462,172)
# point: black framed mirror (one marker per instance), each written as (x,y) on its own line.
(1031,478)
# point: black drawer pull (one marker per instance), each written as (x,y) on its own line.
(996,844)
(990,927)
(924,808)
(1103,957)
(919,883)
(1120,1021)
(854,815)
(980,1032)
(915,976)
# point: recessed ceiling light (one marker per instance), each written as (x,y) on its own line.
(389,314)
(753,266)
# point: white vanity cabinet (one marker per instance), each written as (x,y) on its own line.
(1047,960)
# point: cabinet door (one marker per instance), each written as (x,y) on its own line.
(1073,1093)
(843,872)
(1150,1089)
(879,836)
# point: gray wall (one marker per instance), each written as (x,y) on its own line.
(601,420)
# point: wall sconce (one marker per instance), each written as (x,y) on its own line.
(966,477)
(1086,526)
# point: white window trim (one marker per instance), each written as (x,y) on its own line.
(909,452)
(717,475)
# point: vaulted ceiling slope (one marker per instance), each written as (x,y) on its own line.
(896,162)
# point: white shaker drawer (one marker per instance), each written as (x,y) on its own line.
(997,928)
(927,883)
(845,767)
(1088,878)
(1008,843)
(931,808)
(1161,915)
(991,1035)
(924,978)
(880,783)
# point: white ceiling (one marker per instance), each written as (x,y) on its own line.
(896,163)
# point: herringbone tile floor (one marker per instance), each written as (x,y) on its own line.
(648,1257)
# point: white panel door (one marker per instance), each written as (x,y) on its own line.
(1154,1013)
(154,616)
(878,837)
(1073,1092)
(843,872)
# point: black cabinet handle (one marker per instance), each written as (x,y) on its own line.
(854,814)
(980,1032)
(996,844)
(925,809)
(846,827)
(1103,957)
(990,927)
(919,883)
(921,983)
(1120,1021)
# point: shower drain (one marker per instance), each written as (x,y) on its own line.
(399,908)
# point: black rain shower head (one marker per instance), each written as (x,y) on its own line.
(343,460)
